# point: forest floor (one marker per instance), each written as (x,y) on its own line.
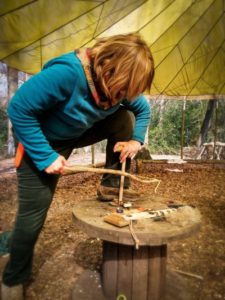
(63,252)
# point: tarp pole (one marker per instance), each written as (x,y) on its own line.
(182,127)
(215,129)
(93,154)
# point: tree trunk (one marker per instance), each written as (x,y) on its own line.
(12,87)
(162,107)
(146,142)
(206,123)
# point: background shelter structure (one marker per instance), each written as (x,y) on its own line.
(187,38)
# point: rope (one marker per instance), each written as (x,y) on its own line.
(134,236)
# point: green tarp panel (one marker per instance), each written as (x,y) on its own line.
(187,38)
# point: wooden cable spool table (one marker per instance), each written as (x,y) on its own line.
(135,274)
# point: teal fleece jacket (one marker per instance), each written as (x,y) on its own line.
(56,104)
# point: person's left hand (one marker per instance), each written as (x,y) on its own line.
(127,149)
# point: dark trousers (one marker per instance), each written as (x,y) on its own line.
(36,190)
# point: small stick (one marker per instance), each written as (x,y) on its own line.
(188,274)
(123,168)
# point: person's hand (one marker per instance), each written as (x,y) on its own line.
(57,166)
(127,149)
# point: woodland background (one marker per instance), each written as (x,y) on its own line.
(203,120)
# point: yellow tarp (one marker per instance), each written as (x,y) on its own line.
(187,38)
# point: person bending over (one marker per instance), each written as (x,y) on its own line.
(78,99)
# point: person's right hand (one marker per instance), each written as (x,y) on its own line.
(57,166)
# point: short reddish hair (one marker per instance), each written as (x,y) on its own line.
(123,63)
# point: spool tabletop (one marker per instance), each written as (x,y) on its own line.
(88,215)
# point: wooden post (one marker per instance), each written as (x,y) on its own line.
(182,127)
(93,154)
(122,184)
(214,156)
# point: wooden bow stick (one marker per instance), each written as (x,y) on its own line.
(78,168)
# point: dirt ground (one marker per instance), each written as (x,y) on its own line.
(63,252)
